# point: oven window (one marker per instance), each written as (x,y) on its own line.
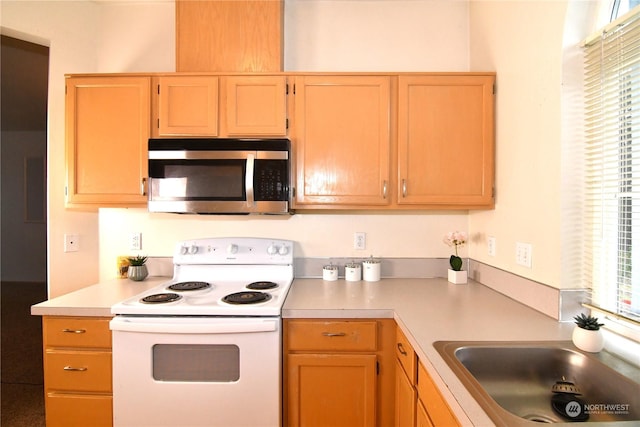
(196,362)
(193,179)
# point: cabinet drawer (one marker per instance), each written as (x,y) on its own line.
(332,335)
(434,403)
(89,332)
(78,370)
(406,355)
(79,410)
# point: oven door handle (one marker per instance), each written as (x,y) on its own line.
(139,325)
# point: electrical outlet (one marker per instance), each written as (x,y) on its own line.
(135,241)
(71,243)
(491,246)
(523,254)
(359,240)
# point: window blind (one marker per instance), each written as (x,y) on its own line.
(612,167)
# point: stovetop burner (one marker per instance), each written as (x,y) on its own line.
(189,286)
(263,285)
(246,298)
(161,298)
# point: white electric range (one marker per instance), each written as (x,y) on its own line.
(206,342)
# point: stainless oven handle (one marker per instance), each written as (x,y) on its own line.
(139,325)
(248,180)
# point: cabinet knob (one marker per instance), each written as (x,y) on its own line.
(334,334)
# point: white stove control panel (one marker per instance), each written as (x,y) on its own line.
(234,250)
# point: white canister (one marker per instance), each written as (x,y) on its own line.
(330,273)
(353,272)
(371,270)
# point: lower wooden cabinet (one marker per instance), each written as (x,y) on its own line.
(418,401)
(77,371)
(434,405)
(338,372)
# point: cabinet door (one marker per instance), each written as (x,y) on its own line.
(256,105)
(422,419)
(446,140)
(78,410)
(107,132)
(434,403)
(187,105)
(226,36)
(342,140)
(337,390)
(405,399)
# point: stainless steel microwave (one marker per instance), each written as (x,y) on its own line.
(219,176)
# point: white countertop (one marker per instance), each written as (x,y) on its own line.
(427,310)
(95,300)
(430,310)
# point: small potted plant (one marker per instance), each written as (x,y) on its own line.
(456,274)
(137,268)
(587,335)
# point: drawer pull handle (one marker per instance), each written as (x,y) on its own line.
(72,369)
(401,349)
(74,331)
(334,334)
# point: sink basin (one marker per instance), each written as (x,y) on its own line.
(512,381)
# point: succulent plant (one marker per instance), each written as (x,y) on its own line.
(137,260)
(589,323)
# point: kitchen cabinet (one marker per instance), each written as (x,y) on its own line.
(435,407)
(406,394)
(229,36)
(446,140)
(398,141)
(418,401)
(255,105)
(186,105)
(77,371)
(342,140)
(338,372)
(220,106)
(107,129)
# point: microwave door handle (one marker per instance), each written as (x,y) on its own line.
(248,179)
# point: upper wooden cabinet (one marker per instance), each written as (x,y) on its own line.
(107,128)
(187,105)
(229,36)
(220,106)
(255,105)
(342,140)
(446,140)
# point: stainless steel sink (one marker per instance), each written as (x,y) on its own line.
(512,381)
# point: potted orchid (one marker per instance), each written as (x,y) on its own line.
(456,274)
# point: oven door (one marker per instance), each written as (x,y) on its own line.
(196,371)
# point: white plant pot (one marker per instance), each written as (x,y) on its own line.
(586,340)
(457,277)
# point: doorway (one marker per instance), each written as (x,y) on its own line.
(24,72)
